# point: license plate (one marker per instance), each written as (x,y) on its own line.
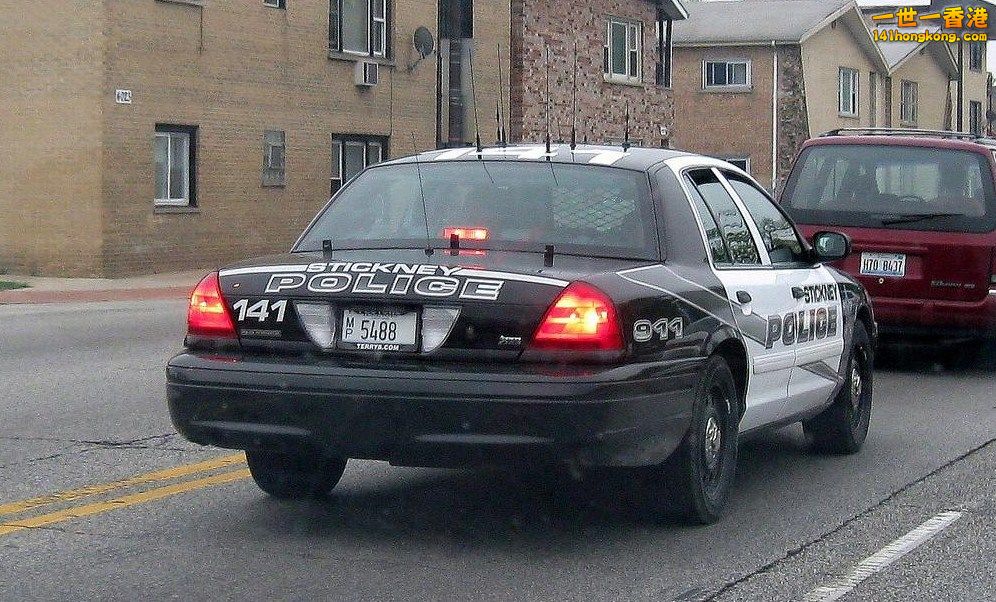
(377,330)
(883,264)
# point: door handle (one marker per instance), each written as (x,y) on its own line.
(743,297)
(798,293)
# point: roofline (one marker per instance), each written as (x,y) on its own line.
(766,43)
(680,13)
(840,12)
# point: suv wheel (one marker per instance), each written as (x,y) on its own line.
(294,475)
(699,474)
(842,428)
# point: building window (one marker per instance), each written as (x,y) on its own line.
(622,59)
(726,74)
(352,154)
(908,102)
(275,3)
(741,162)
(174,152)
(274,158)
(847,92)
(975,117)
(665,51)
(359,27)
(977,56)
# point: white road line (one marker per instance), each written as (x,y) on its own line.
(883,558)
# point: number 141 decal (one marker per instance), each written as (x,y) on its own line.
(260,310)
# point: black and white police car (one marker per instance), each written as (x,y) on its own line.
(594,307)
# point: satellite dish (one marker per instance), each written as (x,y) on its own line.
(424,43)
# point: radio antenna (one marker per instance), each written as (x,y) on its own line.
(548,99)
(421,193)
(500,116)
(626,137)
(574,109)
(473,92)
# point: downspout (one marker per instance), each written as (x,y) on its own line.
(774,116)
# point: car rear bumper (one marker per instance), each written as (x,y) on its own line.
(624,416)
(937,319)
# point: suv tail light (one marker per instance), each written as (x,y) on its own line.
(207,315)
(582,318)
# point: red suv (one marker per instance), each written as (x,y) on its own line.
(920,207)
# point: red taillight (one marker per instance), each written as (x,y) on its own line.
(466,233)
(582,317)
(207,315)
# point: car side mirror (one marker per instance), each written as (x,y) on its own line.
(831,246)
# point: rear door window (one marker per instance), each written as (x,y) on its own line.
(777,232)
(732,225)
(877,186)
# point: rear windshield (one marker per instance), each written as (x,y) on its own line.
(584,210)
(892,186)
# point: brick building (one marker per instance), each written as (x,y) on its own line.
(755,78)
(623,59)
(139,136)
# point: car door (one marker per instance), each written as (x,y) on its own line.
(754,289)
(814,326)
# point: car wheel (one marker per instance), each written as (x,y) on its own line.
(294,475)
(697,478)
(843,427)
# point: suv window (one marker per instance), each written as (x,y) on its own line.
(725,212)
(872,186)
(777,232)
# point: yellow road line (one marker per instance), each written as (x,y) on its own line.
(151,477)
(123,502)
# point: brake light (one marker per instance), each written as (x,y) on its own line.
(464,233)
(207,315)
(582,317)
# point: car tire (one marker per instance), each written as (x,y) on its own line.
(696,480)
(843,427)
(294,475)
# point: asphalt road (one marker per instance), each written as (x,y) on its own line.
(81,405)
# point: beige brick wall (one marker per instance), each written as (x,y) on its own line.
(822,57)
(601,104)
(932,92)
(50,136)
(720,123)
(231,68)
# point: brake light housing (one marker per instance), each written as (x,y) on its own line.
(474,233)
(207,313)
(582,318)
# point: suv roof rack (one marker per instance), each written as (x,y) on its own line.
(903,132)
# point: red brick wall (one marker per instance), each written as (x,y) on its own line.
(601,105)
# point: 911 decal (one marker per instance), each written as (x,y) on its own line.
(260,310)
(664,329)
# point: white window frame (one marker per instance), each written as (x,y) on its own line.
(741,158)
(338,167)
(909,100)
(371,49)
(185,200)
(855,82)
(275,3)
(634,44)
(729,63)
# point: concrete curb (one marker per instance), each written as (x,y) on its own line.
(29,296)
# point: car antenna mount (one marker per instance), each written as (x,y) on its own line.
(548,256)
(626,144)
(327,249)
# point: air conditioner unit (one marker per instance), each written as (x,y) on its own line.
(367,73)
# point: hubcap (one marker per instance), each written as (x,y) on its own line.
(713,442)
(856,384)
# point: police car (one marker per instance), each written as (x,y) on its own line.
(523,305)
